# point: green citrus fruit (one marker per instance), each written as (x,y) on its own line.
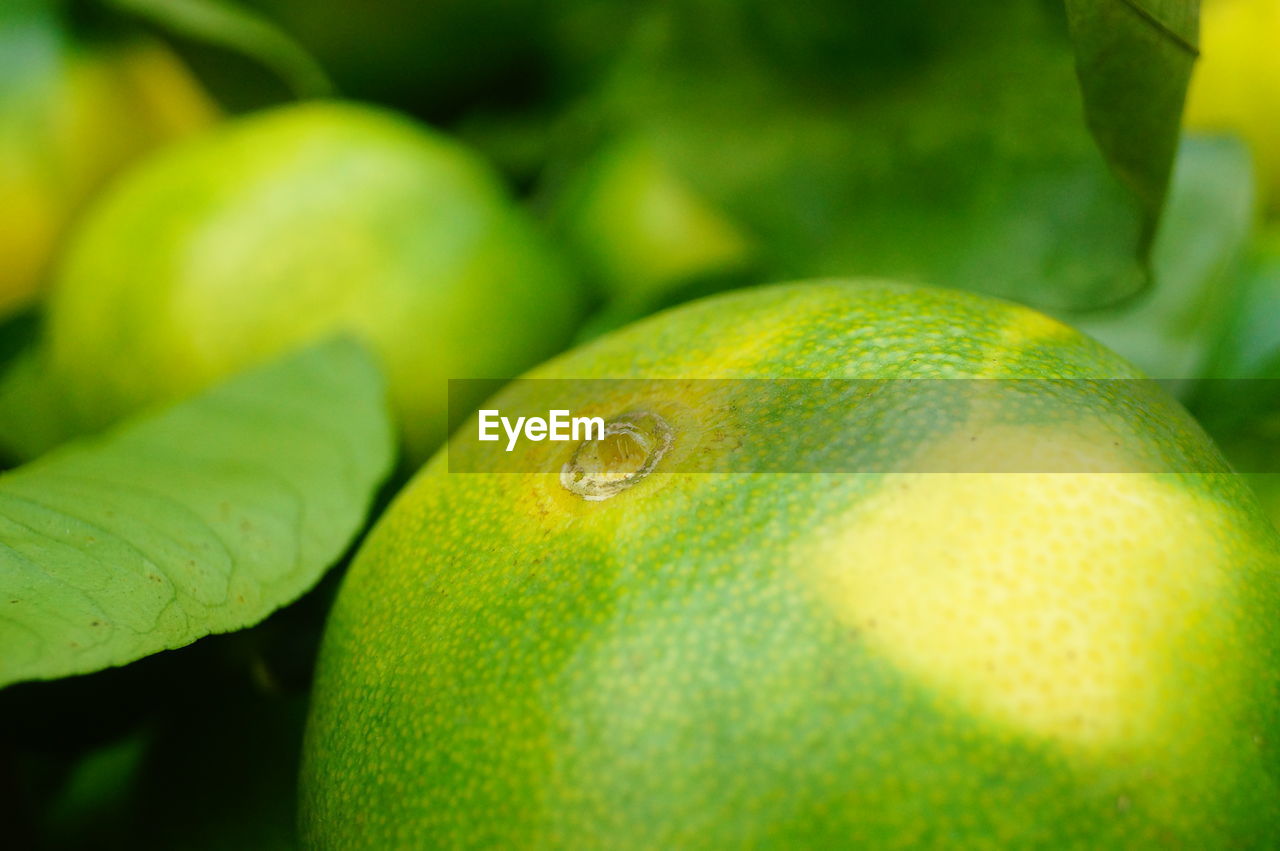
(71,116)
(641,229)
(586,655)
(288,225)
(1236,84)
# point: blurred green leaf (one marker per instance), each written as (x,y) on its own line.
(1238,398)
(32,417)
(1204,234)
(1249,346)
(203,518)
(18,334)
(240,760)
(96,792)
(223,23)
(1134,59)
(214,774)
(961,158)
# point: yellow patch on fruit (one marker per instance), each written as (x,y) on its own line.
(1047,603)
(1028,328)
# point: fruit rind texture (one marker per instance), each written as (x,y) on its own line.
(892,660)
(290,225)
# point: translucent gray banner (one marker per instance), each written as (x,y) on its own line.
(606,429)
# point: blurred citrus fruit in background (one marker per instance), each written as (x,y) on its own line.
(1236,84)
(295,223)
(697,658)
(72,114)
(641,229)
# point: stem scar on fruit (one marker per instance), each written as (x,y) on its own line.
(632,445)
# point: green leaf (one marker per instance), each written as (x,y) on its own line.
(1134,60)
(1238,401)
(1249,346)
(1204,234)
(202,518)
(223,23)
(1241,386)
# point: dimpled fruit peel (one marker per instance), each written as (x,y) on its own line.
(288,225)
(687,654)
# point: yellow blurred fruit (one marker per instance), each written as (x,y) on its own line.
(71,116)
(1236,84)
